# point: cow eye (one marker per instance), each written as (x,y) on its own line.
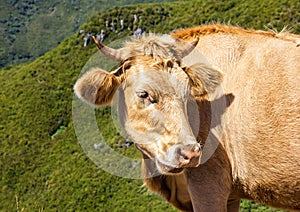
(145,96)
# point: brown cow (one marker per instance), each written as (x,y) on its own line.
(210,136)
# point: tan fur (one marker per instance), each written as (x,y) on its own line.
(97,87)
(159,47)
(203,81)
(258,156)
(196,32)
(257,147)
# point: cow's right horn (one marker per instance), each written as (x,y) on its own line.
(185,48)
(188,48)
(115,54)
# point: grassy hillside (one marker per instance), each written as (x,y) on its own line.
(29,28)
(43,167)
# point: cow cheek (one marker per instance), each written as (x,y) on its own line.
(146,120)
(138,119)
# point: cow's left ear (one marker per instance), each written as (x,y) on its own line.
(204,78)
(97,87)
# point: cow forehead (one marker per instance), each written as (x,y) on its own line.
(156,46)
(157,77)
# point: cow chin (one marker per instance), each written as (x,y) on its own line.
(168,169)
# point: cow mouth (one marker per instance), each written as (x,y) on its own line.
(179,157)
(168,169)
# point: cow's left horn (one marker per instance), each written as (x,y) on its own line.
(115,54)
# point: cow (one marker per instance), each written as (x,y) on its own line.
(214,110)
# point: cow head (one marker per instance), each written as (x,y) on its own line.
(157,80)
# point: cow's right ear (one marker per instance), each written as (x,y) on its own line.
(97,87)
(204,78)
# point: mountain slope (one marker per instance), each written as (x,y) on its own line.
(43,167)
(29,28)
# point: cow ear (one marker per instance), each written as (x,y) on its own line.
(204,78)
(97,87)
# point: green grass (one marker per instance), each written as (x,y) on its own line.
(43,167)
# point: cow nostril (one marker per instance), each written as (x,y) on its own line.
(185,157)
(189,155)
(183,154)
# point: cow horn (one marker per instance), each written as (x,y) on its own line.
(115,54)
(186,49)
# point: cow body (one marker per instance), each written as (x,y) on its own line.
(249,127)
(262,129)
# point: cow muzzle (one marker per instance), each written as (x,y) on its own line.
(179,157)
(189,155)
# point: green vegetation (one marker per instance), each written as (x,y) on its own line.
(43,167)
(29,28)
